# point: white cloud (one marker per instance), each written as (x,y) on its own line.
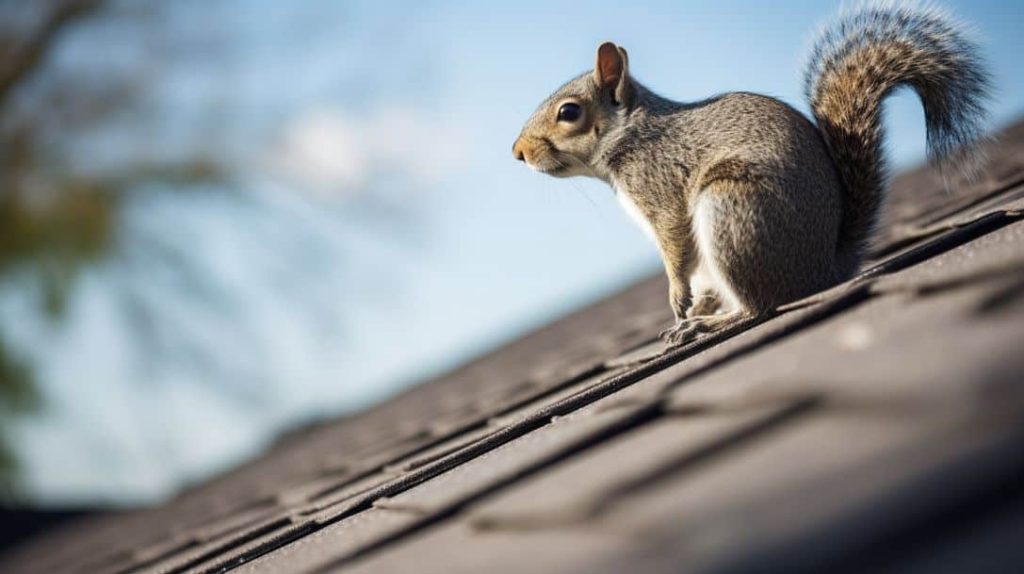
(321,150)
(336,154)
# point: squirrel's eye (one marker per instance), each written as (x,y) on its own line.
(569,113)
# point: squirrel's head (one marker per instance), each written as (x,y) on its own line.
(561,137)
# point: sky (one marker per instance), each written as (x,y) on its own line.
(377,229)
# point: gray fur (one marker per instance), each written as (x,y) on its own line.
(752,205)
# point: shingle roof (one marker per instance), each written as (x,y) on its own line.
(876,426)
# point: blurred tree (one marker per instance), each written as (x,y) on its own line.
(133,131)
(55,216)
(57,236)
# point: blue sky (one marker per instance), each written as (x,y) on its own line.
(332,114)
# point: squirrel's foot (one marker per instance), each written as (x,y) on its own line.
(687,330)
(682,332)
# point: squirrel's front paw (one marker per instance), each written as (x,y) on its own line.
(687,330)
(684,331)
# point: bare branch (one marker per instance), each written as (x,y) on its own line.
(19,58)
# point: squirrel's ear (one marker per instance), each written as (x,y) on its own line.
(609,66)
(611,71)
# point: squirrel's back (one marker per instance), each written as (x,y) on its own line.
(858,61)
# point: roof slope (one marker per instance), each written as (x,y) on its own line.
(875,426)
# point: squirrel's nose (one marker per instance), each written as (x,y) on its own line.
(517,150)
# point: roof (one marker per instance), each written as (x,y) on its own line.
(875,426)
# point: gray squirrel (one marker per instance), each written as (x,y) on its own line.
(750,203)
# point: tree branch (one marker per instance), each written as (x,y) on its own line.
(19,59)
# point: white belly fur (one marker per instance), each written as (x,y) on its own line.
(703,231)
(635,214)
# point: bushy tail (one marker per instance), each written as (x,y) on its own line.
(856,62)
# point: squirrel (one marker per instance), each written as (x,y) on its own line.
(750,203)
